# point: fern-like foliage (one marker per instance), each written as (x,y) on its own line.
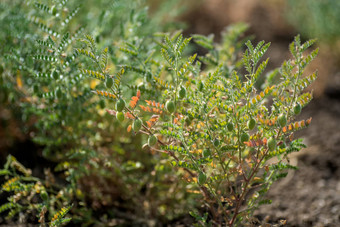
(204,115)
(59,218)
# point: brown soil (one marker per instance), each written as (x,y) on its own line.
(310,196)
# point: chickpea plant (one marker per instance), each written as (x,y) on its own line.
(213,122)
(42,85)
(207,116)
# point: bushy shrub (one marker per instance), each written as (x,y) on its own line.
(222,130)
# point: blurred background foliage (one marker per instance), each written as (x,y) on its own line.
(315,18)
(104,171)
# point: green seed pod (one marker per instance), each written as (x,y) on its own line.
(152,140)
(44,195)
(120,105)
(170,106)
(102,104)
(187,120)
(120,116)
(297,109)
(282,120)
(245,137)
(58,93)
(206,153)
(202,178)
(182,93)
(148,77)
(36,88)
(200,86)
(137,125)
(251,123)
(271,143)
(55,75)
(54,10)
(109,82)
(216,142)
(230,126)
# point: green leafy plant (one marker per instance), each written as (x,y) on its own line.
(31,196)
(223,132)
(41,83)
(204,117)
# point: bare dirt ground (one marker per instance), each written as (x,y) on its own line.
(310,196)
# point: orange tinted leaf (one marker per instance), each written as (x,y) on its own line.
(128,115)
(154,117)
(129,128)
(302,123)
(248,144)
(111,112)
(132,104)
(291,137)
(19,81)
(143,107)
(266,168)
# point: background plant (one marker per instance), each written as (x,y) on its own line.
(323,19)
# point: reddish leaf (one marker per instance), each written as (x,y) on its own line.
(111,112)
(128,115)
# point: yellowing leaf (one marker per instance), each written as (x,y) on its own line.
(19,81)
(93,83)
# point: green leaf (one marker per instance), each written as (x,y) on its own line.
(309,58)
(260,69)
(94,74)
(4,172)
